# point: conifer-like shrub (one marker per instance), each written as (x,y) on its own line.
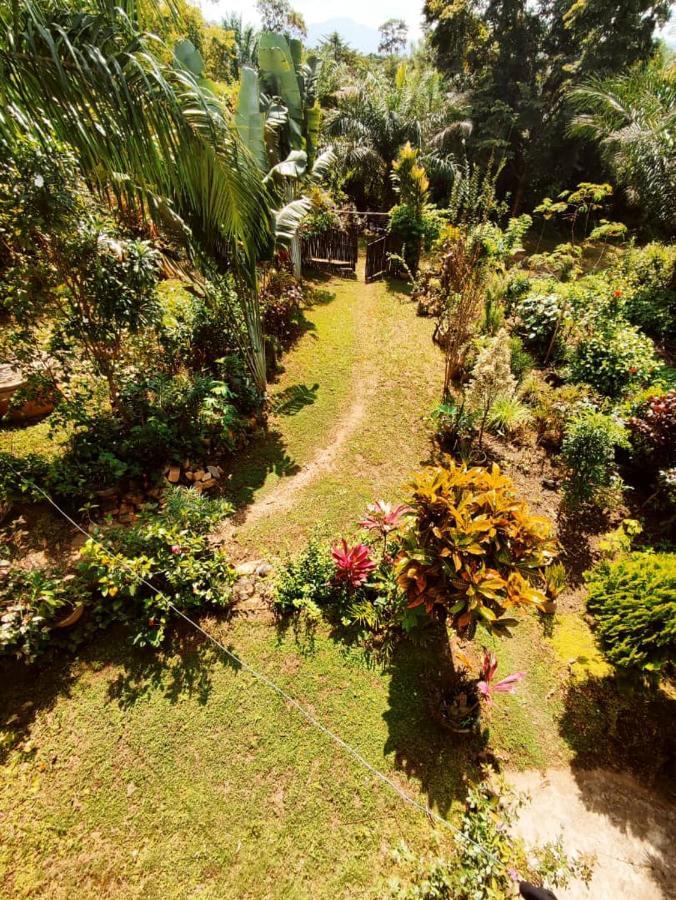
(473,548)
(633,600)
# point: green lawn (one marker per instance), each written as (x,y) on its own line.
(366,347)
(131,775)
(179,775)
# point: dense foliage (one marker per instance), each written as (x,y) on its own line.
(473,548)
(633,601)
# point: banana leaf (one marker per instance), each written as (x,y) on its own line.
(280,78)
(249,120)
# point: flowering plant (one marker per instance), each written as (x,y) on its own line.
(353,564)
(383,517)
(488,669)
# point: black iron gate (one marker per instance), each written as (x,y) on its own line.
(379,260)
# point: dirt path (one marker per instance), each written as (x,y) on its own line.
(367,375)
(625,826)
(324,461)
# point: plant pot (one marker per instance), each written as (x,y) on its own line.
(456,707)
(71,619)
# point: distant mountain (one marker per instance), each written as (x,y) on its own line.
(359,37)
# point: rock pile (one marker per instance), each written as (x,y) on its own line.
(201,478)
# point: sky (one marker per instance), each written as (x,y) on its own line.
(365,12)
(370,13)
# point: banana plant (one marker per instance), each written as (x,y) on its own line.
(278,119)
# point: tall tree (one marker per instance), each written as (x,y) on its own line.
(393,37)
(278,15)
(145,132)
(520,58)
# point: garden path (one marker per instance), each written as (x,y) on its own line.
(348,417)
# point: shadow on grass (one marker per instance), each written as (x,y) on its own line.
(612,724)
(181,669)
(617,724)
(444,763)
(294,398)
(265,454)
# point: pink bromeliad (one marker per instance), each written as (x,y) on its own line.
(353,564)
(383,517)
(487,674)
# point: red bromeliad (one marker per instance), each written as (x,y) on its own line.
(353,564)
(488,670)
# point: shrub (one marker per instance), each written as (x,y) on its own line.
(487,822)
(539,319)
(180,564)
(614,359)
(653,431)
(472,548)
(508,415)
(521,361)
(588,451)
(552,406)
(633,600)
(651,300)
(306,582)
(30,602)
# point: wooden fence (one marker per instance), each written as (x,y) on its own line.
(334,250)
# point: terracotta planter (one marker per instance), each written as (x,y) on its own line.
(10,382)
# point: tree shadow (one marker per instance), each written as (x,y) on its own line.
(623,725)
(181,670)
(247,473)
(27,691)
(294,398)
(443,763)
(623,735)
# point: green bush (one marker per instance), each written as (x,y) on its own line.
(307,581)
(613,359)
(30,603)
(539,321)
(633,600)
(180,564)
(588,451)
(651,301)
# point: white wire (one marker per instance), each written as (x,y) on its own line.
(355,754)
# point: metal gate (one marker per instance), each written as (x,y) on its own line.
(378,261)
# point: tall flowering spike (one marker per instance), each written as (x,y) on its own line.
(486,686)
(383,517)
(353,564)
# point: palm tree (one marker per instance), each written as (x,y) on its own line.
(245,37)
(146,134)
(375,118)
(633,118)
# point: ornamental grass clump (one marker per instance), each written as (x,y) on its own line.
(473,551)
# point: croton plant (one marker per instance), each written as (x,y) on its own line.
(473,548)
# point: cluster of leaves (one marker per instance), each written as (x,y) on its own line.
(306,583)
(131,574)
(141,572)
(491,860)
(613,359)
(652,430)
(588,452)
(633,601)
(473,548)
(30,602)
